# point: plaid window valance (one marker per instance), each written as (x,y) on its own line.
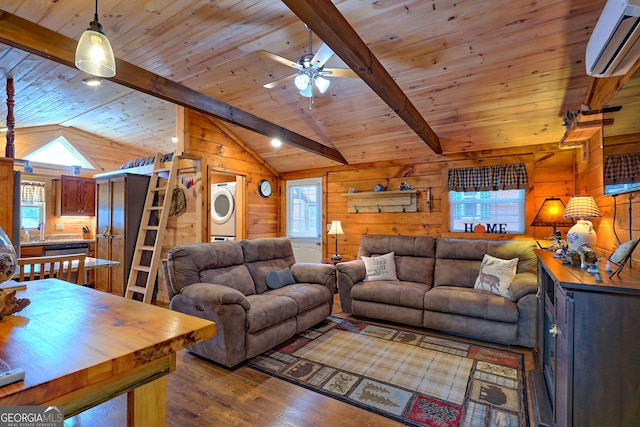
(622,168)
(32,191)
(488,178)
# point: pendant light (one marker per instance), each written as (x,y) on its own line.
(93,53)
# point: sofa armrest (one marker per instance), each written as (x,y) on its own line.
(209,294)
(355,270)
(349,274)
(523,284)
(322,274)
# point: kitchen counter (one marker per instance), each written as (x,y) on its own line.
(55,242)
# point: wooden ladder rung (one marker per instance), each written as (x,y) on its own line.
(149,227)
(146,248)
(138,289)
(162,170)
(143,268)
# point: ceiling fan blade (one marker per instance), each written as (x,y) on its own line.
(322,55)
(280,59)
(278,82)
(339,72)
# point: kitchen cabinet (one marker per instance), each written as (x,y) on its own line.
(119,201)
(31,251)
(587,371)
(75,196)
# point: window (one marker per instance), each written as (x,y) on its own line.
(304,211)
(59,152)
(490,198)
(31,215)
(497,211)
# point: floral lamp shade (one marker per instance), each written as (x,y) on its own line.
(582,234)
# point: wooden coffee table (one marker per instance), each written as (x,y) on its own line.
(80,347)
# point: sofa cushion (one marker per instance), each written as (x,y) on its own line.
(279,278)
(471,302)
(496,275)
(261,256)
(268,310)
(406,294)
(381,267)
(305,295)
(458,260)
(198,262)
(414,255)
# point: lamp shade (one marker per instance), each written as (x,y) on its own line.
(582,234)
(322,84)
(582,207)
(301,81)
(336,228)
(551,214)
(94,54)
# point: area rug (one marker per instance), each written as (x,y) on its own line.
(415,379)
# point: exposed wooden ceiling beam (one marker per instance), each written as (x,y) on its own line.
(327,22)
(30,37)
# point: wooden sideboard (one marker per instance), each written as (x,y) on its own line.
(588,360)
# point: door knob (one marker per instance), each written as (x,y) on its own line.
(554,330)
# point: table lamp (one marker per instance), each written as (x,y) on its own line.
(582,233)
(336,229)
(550,215)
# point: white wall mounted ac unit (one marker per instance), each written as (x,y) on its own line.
(614,46)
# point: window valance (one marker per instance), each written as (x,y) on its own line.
(32,191)
(488,178)
(622,168)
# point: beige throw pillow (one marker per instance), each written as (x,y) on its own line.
(381,267)
(496,275)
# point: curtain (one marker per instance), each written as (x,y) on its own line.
(32,191)
(622,168)
(488,178)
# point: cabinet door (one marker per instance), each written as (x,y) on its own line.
(89,196)
(563,409)
(103,202)
(77,195)
(103,250)
(118,273)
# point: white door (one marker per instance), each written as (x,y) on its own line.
(304,218)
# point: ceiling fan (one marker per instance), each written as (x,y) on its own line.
(311,72)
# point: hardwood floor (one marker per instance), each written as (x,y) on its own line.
(201,393)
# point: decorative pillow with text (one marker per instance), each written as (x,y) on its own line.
(496,275)
(381,267)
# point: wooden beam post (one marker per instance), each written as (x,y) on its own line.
(30,37)
(10,148)
(327,22)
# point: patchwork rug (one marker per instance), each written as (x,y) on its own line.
(415,379)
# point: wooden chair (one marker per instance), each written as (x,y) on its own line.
(58,266)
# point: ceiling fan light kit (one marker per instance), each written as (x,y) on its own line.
(94,54)
(310,70)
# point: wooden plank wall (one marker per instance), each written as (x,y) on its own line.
(550,173)
(612,230)
(224,153)
(105,155)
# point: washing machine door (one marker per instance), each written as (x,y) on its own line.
(222,205)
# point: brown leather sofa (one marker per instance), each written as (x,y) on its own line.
(435,287)
(226,282)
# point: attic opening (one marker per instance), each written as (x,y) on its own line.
(59,152)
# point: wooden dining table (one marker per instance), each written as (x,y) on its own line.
(80,347)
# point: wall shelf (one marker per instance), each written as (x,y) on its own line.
(382,201)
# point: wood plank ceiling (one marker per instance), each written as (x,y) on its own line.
(483,74)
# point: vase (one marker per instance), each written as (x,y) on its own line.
(8,258)
(581,234)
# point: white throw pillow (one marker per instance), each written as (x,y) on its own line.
(496,275)
(381,267)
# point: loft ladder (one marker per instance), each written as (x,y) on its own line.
(147,254)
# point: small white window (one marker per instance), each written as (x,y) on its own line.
(59,152)
(499,211)
(31,215)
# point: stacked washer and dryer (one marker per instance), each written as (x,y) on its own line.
(223,211)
